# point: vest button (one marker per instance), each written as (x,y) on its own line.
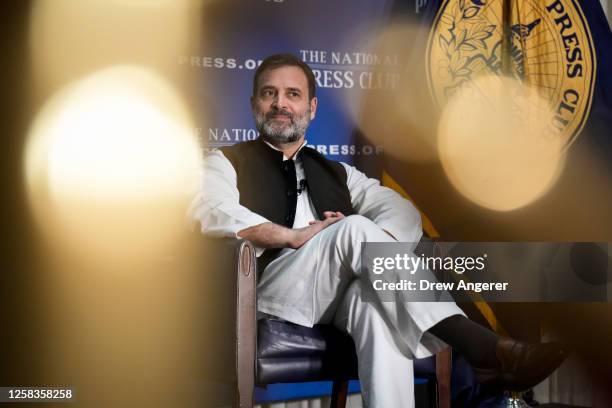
(289,193)
(288,218)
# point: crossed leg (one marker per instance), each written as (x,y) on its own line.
(322,282)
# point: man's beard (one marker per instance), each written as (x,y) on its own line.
(282,132)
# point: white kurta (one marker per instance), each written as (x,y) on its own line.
(321,283)
(217,204)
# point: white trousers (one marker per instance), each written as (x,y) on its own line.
(321,282)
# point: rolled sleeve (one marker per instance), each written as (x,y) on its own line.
(385,207)
(216,206)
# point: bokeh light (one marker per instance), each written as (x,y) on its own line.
(496,144)
(111,161)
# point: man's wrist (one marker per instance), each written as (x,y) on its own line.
(293,238)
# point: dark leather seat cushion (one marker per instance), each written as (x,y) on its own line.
(287,352)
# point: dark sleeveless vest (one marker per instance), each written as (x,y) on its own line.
(268,185)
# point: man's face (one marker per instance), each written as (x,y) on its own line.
(281,107)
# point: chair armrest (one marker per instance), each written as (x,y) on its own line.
(246,322)
(228,285)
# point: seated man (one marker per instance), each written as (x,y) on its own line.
(307,216)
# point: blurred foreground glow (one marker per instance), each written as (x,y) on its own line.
(111,160)
(397,112)
(497,145)
(71,38)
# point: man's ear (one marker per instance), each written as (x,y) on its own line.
(252,102)
(313,107)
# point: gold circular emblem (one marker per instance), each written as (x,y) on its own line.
(545,44)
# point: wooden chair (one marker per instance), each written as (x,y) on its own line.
(272,351)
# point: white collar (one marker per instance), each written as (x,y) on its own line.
(279,150)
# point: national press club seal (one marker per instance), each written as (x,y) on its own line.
(549,47)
